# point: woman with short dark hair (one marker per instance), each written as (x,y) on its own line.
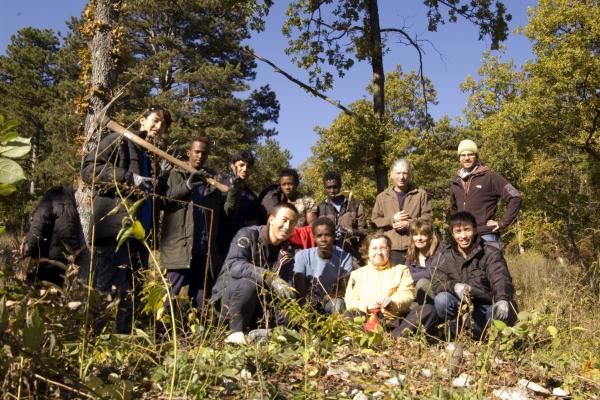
(386,291)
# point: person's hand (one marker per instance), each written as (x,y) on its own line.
(493,224)
(342,233)
(460,288)
(282,289)
(385,302)
(142,182)
(196,179)
(500,310)
(165,167)
(400,220)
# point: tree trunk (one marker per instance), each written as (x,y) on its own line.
(374,36)
(103,80)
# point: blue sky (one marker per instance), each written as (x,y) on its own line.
(458,55)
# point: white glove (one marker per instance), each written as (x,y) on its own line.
(142,182)
(459,289)
(500,310)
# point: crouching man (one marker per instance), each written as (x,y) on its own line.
(258,263)
(321,273)
(471,271)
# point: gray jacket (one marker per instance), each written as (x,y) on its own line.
(177,237)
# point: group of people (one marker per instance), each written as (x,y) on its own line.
(242,256)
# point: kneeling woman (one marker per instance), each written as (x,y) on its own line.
(422,258)
(379,286)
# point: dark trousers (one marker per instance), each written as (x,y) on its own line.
(243,304)
(48,273)
(398,257)
(197,279)
(423,317)
(113,276)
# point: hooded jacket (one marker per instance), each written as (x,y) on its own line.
(479,194)
(109,166)
(55,227)
(484,270)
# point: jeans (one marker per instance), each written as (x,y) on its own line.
(447,307)
(493,239)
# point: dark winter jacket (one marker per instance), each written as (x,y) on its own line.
(431,263)
(272,195)
(182,232)
(351,218)
(113,164)
(416,204)
(485,270)
(55,229)
(250,256)
(479,194)
(241,209)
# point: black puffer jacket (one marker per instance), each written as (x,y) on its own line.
(241,209)
(55,227)
(485,270)
(114,163)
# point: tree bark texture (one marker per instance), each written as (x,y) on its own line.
(102,83)
(373,31)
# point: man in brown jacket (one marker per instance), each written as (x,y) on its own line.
(397,206)
(477,189)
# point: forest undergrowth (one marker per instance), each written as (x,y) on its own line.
(47,353)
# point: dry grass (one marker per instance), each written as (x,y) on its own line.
(560,292)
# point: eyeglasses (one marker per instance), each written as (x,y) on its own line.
(467,155)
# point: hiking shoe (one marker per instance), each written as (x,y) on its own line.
(236,338)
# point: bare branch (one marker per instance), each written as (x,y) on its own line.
(303,85)
(414,43)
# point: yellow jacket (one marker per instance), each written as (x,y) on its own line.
(368,285)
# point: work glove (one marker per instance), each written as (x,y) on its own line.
(460,288)
(142,182)
(165,167)
(500,310)
(196,179)
(282,289)
(343,233)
